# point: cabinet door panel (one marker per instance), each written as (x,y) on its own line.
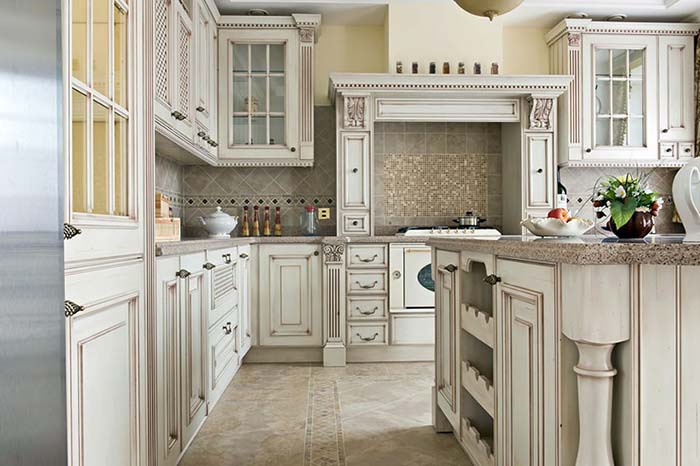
(105,363)
(676,88)
(446,351)
(540,171)
(290,296)
(244,298)
(162,57)
(355,170)
(193,340)
(184,72)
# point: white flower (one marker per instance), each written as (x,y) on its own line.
(660,202)
(599,197)
(608,203)
(642,209)
(620,192)
(648,191)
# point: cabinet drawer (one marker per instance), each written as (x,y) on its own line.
(367,308)
(367,256)
(356,224)
(540,171)
(367,334)
(222,256)
(667,150)
(409,328)
(366,282)
(686,150)
(223,351)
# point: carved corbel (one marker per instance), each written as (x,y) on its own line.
(541,112)
(333,253)
(355,112)
(574,39)
(306,34)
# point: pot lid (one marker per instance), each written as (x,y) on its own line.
(218,214)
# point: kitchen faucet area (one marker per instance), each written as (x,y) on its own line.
(341,233)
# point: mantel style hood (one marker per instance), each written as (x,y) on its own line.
(429,97)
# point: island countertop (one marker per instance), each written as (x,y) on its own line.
(584,250)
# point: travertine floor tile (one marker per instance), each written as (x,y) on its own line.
(304,415)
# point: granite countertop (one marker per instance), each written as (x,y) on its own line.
(585,250)
(190,245)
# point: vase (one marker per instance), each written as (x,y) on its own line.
(638,226)
(686,197)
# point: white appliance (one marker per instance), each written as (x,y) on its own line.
(686,196)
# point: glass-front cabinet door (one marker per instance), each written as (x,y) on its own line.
(101,198)
(619,79)
(259,95)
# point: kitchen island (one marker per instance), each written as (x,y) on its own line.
(569,351)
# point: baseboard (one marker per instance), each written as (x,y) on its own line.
(396,353)
(283,354)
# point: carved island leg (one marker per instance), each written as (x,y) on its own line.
(595,394)
(595,316)
(334,304)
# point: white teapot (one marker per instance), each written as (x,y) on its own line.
(219,224)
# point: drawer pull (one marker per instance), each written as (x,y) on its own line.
(243,256)
(227,328)
(70,308)
(366,260)
(200,108)
(367,287)
(492,279)
(227,258)
(182,273)
(69,231)
(209,266)
(449,268)
(367,313)
(372,338)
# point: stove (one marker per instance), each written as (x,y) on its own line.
(451,232)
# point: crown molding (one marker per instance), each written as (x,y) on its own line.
(589,26)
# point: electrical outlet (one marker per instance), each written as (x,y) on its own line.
(324,213)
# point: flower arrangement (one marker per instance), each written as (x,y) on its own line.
(625,195)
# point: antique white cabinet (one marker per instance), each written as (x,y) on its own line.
(244,298)
(266,75)
(290,298)
(104,250)
(631,102)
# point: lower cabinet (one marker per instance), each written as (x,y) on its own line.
(290,298)
(244,299)
(527,339)
(105,358)
(224,359)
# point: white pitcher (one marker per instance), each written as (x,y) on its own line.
(686,196)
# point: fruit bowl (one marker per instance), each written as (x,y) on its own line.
(557,226)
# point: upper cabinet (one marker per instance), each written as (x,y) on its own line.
(266,76)
(631,102)
(184,75)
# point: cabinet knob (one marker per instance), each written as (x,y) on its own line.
(182,273)
(539,170)
(396,274)
(293,149)
(214,143)
(451,268)
(355,223)
(70,308)
(316,253)
(355,170)
(227,328)
(669,149)
(69,231)
(589,150)
(687,150)
(243,256)
(200,108)
(201,134)
(209,266)
(665,130)
(492,279)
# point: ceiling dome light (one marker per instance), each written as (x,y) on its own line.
(488,8)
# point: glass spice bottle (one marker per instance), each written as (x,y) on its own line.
(460,68)
(446,68)
(266,222)
(278,222)
(245,227)
(432,67)
(414,67)
(256,221)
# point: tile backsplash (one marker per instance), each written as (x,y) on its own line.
(579,183)
(429,173)
(169,182)
(204,187)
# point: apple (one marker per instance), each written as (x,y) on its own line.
(559,213)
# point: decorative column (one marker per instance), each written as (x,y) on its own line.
(308,34)
(334,303)
(596,316)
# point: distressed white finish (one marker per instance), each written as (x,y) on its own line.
(334,311)
(422,109)
(290,295)
(676,88)
(244,298)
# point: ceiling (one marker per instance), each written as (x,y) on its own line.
(532,13)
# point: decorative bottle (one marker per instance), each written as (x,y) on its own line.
(256,221)
(278,222)
(266,222)
(245,227)
(309,223)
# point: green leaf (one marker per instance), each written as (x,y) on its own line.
(622,212)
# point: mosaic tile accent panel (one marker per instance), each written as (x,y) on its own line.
(579,183)
(323,443)
(435,185)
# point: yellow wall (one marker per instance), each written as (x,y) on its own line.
(439,31)
(357,49)
(525,51)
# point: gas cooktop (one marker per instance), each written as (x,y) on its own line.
(450,232)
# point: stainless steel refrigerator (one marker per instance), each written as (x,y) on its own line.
(32,325)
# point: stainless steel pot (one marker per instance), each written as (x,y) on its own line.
(469,220)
